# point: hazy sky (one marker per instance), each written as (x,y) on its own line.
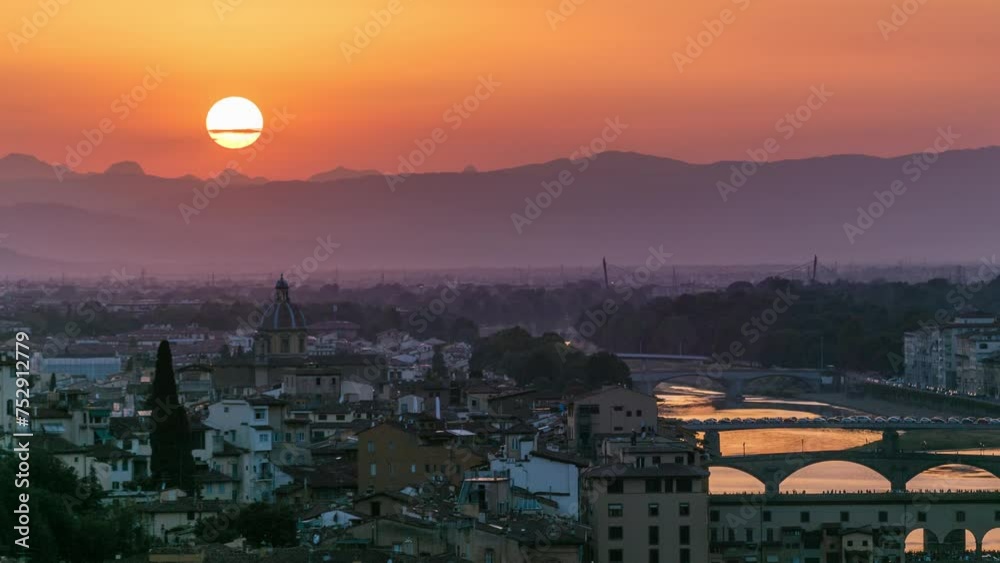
(559,77)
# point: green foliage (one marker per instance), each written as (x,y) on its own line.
(171,462)
(854,326)
(546,362)
(67,521)
(267,524)
(217,529)
(438,368)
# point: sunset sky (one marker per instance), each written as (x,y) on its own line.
(559,78)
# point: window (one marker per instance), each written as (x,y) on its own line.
(846,516)
(489,555)
(654,556)
(996,516)
(628,414)
(714,515)
(300,436)
(319,381)
(684,485)
(654,535)
(685,535)
(258,415)
(413,468)
(615,556)
(656,460)
(615,510)
(617,428)
(804,516)
(225,409)
(685,555)
(371,447)
(372,469)
(616,486)
(960,516)
(615,533)
(714,535)
(638,412)
(322,417)
(770,534)
(883,516)
(921,516)
(749,535)
(190,515)
(617,408)
(653,485)
(263,437)
(654,509)
(684,509)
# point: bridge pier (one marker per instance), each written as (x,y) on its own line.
(734,390)
(891,440)
(713,443)
(897,483)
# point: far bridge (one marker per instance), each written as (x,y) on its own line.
(732,380)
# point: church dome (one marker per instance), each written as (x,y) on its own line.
(282,314)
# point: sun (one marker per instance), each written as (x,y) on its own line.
(234,122)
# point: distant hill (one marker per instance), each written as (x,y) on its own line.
(22,166)
(341,173)
(617,205)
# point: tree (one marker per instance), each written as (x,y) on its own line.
(267,524)
(604,368)
(171,463)
(438,368)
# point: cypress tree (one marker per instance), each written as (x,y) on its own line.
(172,463)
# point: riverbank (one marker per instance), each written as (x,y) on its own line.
(878,407)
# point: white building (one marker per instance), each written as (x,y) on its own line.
(247,427)
(549,474)
(931,354)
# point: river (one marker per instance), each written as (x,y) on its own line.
(679,401)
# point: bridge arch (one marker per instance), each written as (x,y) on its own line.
(920,540)
(991,540)
(922,478)
(868,478)
(725,479)
(957,542)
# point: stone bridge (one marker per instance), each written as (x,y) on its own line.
(732,380)
(896,467)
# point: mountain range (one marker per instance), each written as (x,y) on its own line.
(617,204)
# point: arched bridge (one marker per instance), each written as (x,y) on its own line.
(732,380)
(897,468)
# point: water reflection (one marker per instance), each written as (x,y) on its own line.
(680,401)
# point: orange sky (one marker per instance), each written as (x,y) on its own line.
(557,86)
